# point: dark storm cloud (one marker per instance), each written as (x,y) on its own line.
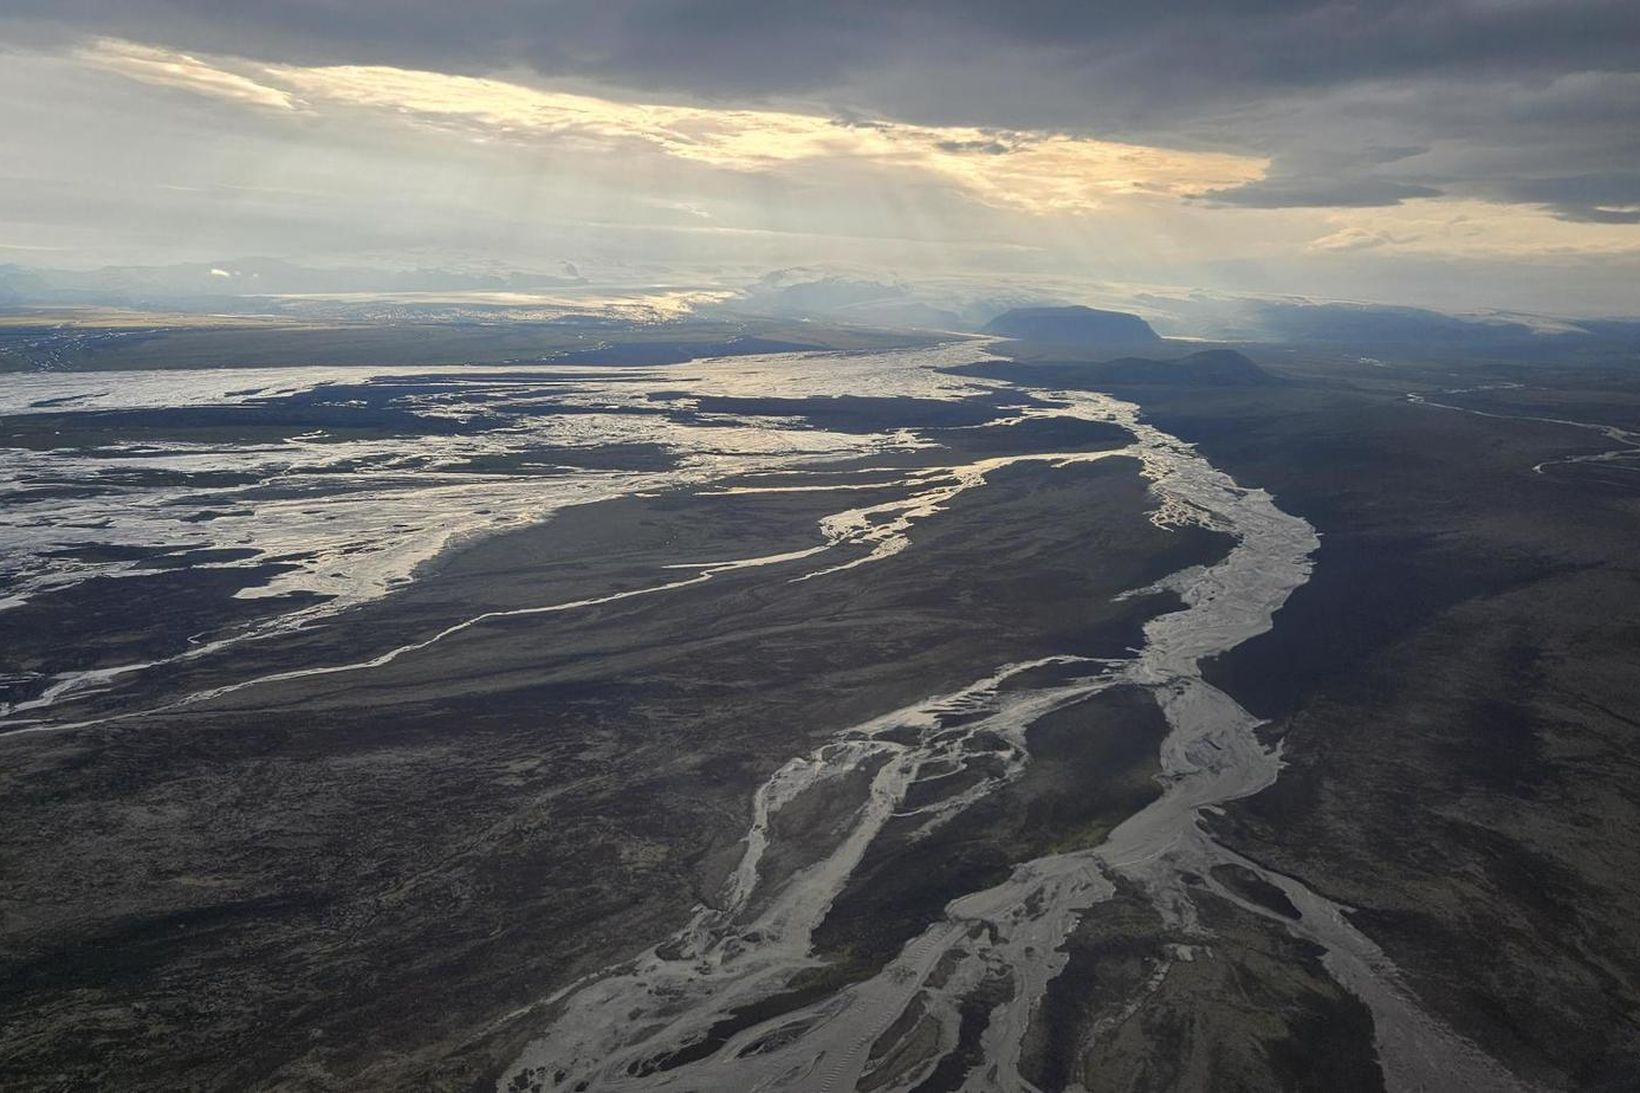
(779,46)
(1320,193)
(1600,199)
(1522,100)
(971,147)
(1330,177)
(782,46)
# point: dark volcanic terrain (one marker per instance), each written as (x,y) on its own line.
(1457,687)
(427,841)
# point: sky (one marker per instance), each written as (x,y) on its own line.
(1464,154)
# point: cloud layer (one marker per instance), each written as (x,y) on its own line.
(1272,139)
(1514,100)
(1032,171)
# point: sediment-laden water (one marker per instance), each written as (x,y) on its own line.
(350,512)
(325,488)
(675,1016)
(1624,457)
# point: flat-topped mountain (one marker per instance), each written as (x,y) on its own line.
(1073,326)
(1209,368)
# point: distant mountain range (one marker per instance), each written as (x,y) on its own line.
(270,285)
(177,285)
